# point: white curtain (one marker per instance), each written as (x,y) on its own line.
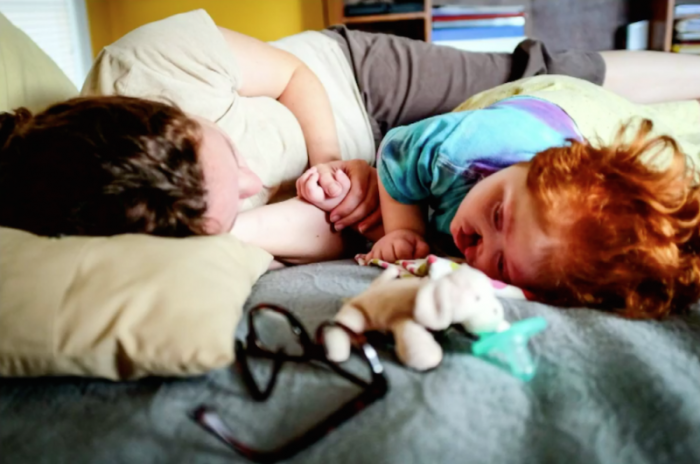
(59,27)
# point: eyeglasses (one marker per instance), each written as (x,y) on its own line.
(301,349)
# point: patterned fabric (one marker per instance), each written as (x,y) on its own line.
(440,159)
(434,266)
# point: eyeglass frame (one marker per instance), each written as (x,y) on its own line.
(209,419)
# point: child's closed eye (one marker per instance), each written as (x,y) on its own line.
(501,266)
(498,216)
(498,225)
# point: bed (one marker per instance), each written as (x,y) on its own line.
(607,390)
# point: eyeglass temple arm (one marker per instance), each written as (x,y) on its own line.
(209,419)
(256,392)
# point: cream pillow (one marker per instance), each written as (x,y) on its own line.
(121,307)
(599,113)
(28,77)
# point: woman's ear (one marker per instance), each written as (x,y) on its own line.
(213,226)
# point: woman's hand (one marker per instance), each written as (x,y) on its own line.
(399,244)
(360,207)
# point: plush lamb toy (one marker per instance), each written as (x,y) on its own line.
(411,307)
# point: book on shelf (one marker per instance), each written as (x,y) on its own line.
(687,10)
(457,10)
(479,28)
(688,24)
(687,29)
(692,48)
(492,22)
(500,45)
(472,33)
(381,8)
(687,36)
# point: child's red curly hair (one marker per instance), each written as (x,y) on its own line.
(631,229)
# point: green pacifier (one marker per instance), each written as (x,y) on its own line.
(508,349)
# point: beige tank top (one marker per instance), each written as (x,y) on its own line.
(185,60)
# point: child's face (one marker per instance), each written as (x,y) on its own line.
(497,230)
(227,178)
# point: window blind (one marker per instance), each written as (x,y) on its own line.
(59,27)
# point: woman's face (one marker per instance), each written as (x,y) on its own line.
(497,228)
(227,178)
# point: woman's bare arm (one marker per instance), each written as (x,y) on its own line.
(271,72)
(652,77)
(293,231)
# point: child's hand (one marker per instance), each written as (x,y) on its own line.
(399,244)
(361,205)
(323,188)
(357,205)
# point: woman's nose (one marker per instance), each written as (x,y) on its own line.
(249,184)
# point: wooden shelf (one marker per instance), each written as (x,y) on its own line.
(384,17)
(661,27)
(416,25)
(662,22)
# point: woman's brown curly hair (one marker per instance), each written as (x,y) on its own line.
(631,229)
(101,166)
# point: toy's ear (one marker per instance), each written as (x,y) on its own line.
(431,310)
(488,316)
(440,267)
(477,307)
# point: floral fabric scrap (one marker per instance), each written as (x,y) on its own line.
(434,267)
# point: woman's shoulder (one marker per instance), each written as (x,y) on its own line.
(157,58)
(179,28)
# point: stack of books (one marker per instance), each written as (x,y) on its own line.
(687,29)
(479,28)
(373,7)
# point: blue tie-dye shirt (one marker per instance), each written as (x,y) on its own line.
(439,159)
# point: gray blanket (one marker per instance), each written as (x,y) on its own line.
(607,390)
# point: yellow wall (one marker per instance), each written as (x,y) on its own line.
(264,19)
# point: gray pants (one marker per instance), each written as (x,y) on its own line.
(403,80)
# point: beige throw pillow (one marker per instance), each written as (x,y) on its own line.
(121,307)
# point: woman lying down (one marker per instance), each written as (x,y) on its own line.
(538,182)
(512,181)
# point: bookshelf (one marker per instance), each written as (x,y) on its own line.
(416,25)
(662,18)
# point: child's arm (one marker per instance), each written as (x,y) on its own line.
(400,216)
(404,227)
(407,166)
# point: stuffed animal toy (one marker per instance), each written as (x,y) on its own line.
(411,308)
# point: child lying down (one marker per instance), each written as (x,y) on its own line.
(554,185)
